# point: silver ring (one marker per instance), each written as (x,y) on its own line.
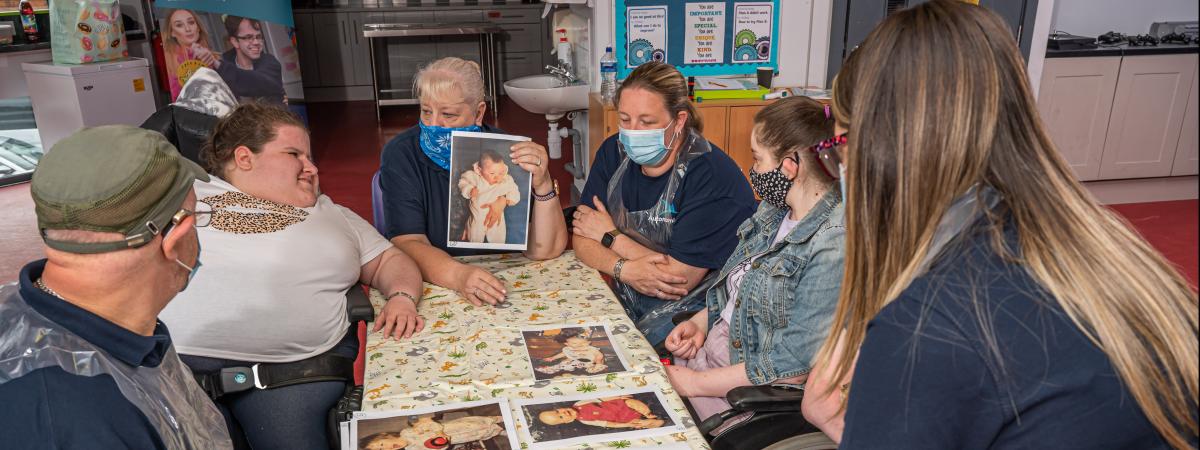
(539,162)
(475,292)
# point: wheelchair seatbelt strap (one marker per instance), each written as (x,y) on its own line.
(324,367)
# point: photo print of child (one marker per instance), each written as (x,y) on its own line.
(489,194)
(576,351)
(597,417)
(469,426)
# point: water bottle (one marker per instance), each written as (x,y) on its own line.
(608,76)
(28,22)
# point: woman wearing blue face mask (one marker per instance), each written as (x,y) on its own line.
(415,180)
(662,205)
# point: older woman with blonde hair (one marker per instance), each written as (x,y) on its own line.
(988,300)
(415,180)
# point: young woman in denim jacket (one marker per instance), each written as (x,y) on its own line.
(772,304)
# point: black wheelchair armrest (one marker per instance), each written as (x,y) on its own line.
(358,306)
(766,398)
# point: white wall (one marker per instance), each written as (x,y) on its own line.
(1095,17)
(1037,48)
(803,40)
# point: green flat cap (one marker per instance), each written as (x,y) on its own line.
(113,178)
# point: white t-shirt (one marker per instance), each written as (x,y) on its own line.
(273,281)
(734,283)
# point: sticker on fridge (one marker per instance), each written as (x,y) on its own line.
(704,41)
(647,39)
(753,31)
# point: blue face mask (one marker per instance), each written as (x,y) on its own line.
(191,270)
(645,147)
(435,142)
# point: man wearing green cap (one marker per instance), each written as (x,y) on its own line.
(84,361)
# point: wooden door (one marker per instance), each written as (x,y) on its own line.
(1147,115)
(1075,100)
(1187,154)
(741,123)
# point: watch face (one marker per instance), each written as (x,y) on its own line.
(607,240)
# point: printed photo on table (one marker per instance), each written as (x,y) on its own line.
(462,426)
(595,417)
(258,60)
(489,194)
(575,351)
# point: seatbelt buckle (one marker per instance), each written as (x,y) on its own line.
(237,379)
(257,381)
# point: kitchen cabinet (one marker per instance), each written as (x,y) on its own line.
(1147,116)
(1187,154)
(1077,96)
(1123,116)
(335,55)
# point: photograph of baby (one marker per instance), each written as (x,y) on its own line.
(489,194)
(595,417)
(464,426)
(577,351)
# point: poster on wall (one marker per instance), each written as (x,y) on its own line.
(704,40)
(251,45)
(752,27)
(647,35)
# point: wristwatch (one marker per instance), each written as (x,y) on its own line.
(609,238)
(541,198)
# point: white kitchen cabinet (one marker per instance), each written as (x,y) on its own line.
(1147,116)
(1075,102)
(1187,155)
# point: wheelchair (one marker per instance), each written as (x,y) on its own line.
(776,422)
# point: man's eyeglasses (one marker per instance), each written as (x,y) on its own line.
(826,151)
(203,218)
(250,37)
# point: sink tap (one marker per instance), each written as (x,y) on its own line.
(562,72)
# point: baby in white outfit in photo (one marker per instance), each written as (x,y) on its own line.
(487,182)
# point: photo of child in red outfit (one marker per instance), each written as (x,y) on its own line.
(597,417)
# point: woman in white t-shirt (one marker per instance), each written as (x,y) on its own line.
(278,259)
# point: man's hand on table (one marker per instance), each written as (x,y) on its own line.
(647,276)
(478,286)
(399,318)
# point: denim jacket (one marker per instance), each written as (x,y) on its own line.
(786,301)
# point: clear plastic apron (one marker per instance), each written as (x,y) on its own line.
(651,227)
(168,395)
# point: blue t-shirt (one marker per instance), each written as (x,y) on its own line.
(939,386)
(416,192)
(51,408)
(710,205)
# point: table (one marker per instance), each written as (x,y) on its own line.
(468,353)
(487,54)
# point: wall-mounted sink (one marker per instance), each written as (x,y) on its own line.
(546,94)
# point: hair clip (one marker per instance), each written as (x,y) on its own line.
(827,111)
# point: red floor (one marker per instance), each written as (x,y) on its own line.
(347,139)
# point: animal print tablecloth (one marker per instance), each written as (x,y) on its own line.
(468,352)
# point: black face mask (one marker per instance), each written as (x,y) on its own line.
(772,186)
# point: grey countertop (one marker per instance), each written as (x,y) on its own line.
(403,5)
(1125,50)
(131,36)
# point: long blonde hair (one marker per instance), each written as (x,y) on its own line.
(937,101)
(171,44)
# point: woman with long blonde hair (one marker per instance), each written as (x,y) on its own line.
(988,300)
(185,47)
